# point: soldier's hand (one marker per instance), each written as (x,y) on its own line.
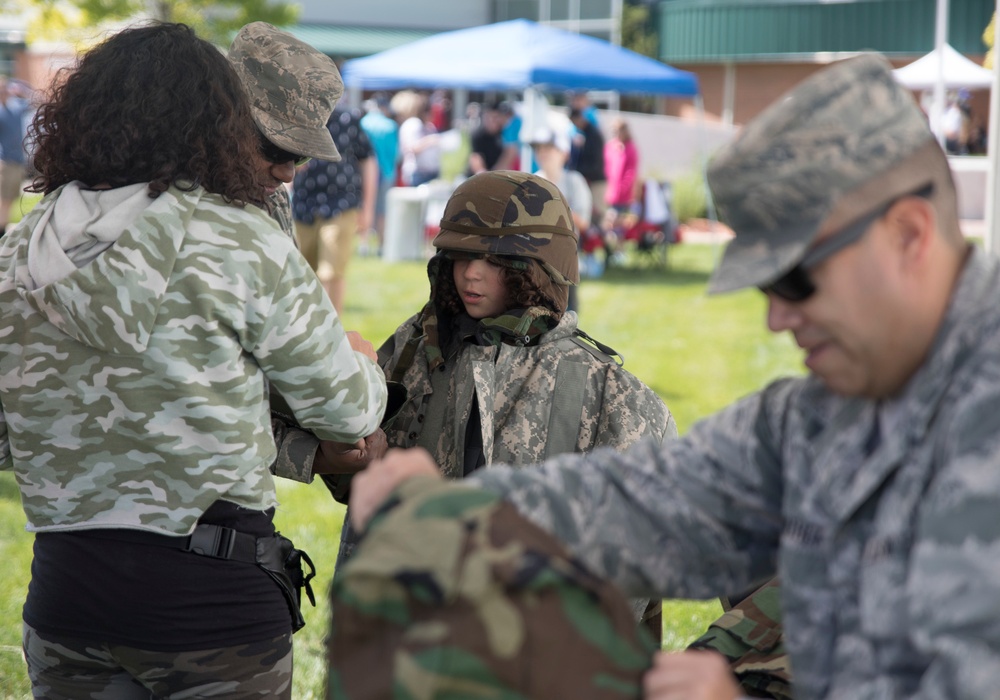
(346,458)
(359,344)
(690,675)
(373,485)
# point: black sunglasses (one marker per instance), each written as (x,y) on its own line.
(797,285)
(278,156)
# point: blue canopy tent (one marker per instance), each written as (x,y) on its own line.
(519,55)
(516,55)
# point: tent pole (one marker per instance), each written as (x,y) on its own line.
(699,104)
(992,238)
(528,126)
(940,38)
(713,219)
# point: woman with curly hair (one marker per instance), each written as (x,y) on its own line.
(495,368)
(145,306)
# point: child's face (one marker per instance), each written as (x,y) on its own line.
(480,287)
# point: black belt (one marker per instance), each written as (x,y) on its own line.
(207,540)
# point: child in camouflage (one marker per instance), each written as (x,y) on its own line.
(495,368)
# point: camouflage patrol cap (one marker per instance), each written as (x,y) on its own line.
(292,87)
(833,149)
(452,593)
(506,212)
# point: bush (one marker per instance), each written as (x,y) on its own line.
(689,200)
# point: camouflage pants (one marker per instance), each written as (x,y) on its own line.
(63,668)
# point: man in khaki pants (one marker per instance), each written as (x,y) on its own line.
(333,201)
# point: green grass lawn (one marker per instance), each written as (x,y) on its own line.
(699,353)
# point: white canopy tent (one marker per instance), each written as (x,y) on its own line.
(956,70)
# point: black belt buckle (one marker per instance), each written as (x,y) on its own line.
(212,541)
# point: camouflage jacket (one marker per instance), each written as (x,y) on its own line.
(132,385)
(534,402)
(881,519)
(749,635)
(281,211)
(495,609)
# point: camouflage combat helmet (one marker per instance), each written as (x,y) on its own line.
(292,87)
(452,593)
(506,212)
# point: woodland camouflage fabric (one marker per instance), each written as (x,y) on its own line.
(749,635)
(507,212)
(133,389)
(261,669)
(886,540)
(495,609)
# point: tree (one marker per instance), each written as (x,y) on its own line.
(215,20)
(988,36)
(637,30)
(639,35)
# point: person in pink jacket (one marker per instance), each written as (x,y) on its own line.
(621,167)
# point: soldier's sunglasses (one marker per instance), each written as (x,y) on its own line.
(279,156)
(797,284)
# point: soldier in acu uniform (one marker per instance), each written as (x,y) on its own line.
(293,89)
(144,306)
(873,484)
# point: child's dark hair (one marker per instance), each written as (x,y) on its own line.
(151,104)
(523,289)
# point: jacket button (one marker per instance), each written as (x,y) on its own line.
(413,436)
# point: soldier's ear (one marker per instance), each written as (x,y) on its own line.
(912,223)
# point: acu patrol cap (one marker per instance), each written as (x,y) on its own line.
(451,593)
(832,150)
(292,88)
(507,212)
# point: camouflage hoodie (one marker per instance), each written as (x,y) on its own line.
(136,336)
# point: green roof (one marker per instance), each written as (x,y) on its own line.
(696,31)
(351,42)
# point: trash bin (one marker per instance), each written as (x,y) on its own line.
(404,223)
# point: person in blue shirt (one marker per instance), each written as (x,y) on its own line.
(13,109)
(333,200)
(383,133)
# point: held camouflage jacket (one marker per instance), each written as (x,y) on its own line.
(132,376)
(749,636)
(495,609)
(882,519)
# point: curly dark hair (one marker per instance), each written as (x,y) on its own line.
(523,287)
(155,104)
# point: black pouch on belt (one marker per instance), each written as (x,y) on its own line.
(279,558)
